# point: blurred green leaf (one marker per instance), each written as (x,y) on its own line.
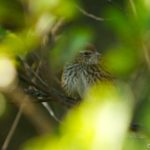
(68,45)
(100,122)
(11,13)
(122,61)
(60,8)
(15,44)
(136,142)
(3,32)
(120,23)
(143,13)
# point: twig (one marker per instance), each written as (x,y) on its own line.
(29,70)
(39,120)
(52,33)
(50,111)
(56,27)
(45,104)
(90,15)
(53,94)
(13,128)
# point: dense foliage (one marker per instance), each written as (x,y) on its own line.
(111,116)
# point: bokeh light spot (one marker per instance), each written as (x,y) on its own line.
(7,72)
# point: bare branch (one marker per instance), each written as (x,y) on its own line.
(12,129)
(50,111)
(45,104)
(56,27)
(32,111)
(90,15)
(52,93)
(53,32)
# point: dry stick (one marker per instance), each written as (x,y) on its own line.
(50,111)
(56,27)
(145,49)
(53,31)
(39,120)
(57,95)
(45,104)
(13,128)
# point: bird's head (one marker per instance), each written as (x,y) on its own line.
(88,56)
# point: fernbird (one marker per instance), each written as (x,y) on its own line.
(82,72)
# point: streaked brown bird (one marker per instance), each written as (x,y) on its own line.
(83,72)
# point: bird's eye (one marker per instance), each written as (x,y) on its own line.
(87,53)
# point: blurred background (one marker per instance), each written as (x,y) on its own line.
(37,38)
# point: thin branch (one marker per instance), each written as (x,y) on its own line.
(53,33)
(45,104)
(56,27)
(35,75)
(50,111)
(90,15)
(53,94)
(32,111)
(13,128)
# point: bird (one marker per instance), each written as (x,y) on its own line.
(82,72)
